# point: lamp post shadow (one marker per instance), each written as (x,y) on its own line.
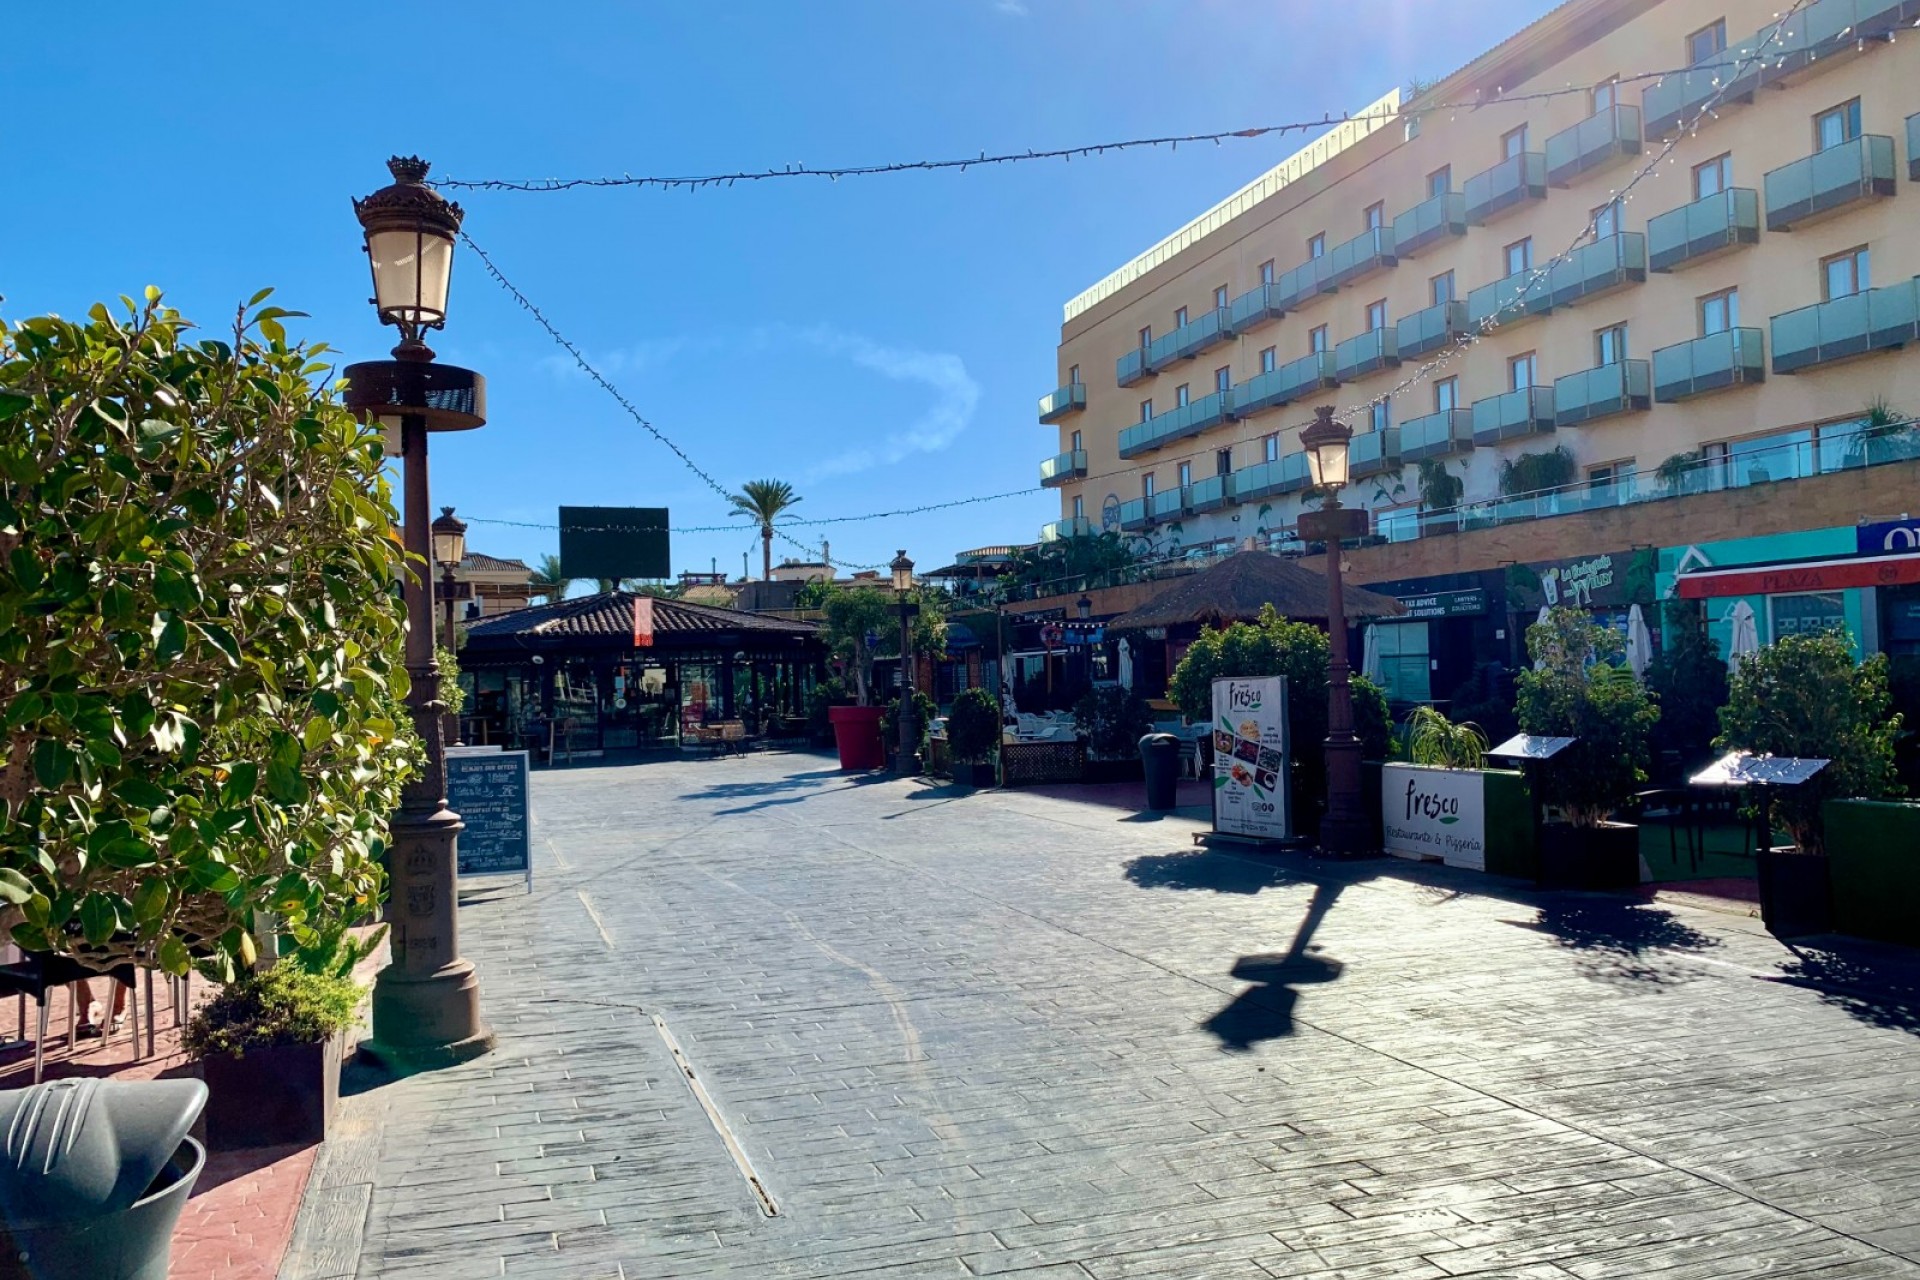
(1265,1010)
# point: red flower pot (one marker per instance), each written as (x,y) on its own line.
(856,733)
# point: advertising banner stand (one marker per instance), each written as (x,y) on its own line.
(1252,797)
(489,790)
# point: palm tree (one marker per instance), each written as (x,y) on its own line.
(549,583)
(763,501)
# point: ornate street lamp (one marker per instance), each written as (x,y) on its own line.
(426,1002)
(1085,607)
(449,549)
(904,762)
(1344,828)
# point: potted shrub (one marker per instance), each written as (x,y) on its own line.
(973,736)
(1112,719)
(1805,696)
(269,1045)
(1440,494)
(1579,688)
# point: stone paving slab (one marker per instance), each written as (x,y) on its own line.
(1010,1034)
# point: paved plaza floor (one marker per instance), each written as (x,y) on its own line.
(761,1019)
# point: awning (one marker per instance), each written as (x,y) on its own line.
(1810,575)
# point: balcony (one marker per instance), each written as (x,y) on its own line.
(1428,223)
(1212,493)
(1289,382)
(1360,257)
(1609,263)
(1679,101)
(1517,414)
(1913,148)
(1594,144)
(1168,504)
(1508,301)
(1733,358)
(1132,368)
(1288,474)
(1373,452)
(1438,326)
(1502,189)
(1071,527)
(1062,467)
(1133,515)
(1062,401)
(1212,328)
(1303,283)
(1437,435)
(1371,352)
(1176,424)
(1258,306)
(1826,29)
(1877,320)
(1704,229)
(1829,181)
(1601,392)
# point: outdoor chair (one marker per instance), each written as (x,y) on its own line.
(38,973)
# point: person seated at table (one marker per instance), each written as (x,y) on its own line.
(89,1028)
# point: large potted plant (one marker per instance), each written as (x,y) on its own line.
(1580,689)
(863,623)
(269,1045)
(973,736)
(1112,719)
(1805,696)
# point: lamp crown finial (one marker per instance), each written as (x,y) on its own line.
(408,168)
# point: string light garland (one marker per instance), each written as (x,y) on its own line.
(1094,149)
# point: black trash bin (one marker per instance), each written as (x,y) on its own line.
(94,1175)
(1160,761)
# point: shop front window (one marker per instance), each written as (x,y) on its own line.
(1807,613)
(1401,648)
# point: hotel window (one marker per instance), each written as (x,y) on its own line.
(1381,415)
(1524,371)
(1713,177)
(1719,312)
(1807,613)
(1182,394)
(1520,256)
(1266,272)
(1219,297)
(1270,448)
(1446,395)
(1146,410)
(1604,95)
(1707,43)
(1146,337)
(1076,442)
(1223,462)
(1610,344)
(1440,181)
(1180,318)
(1440,288)
(1316,339)
(1317,245)
(1613,473)
(1223,378)
(1836,127)
(1146,486)
(1079,507)
(1375,216)
(1269,359)
(1845,274)
(1186,474)
(1514,143)
(1606,220)
(1377,314)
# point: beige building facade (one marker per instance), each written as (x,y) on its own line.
(1712,270)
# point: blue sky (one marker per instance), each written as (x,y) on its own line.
(879,342)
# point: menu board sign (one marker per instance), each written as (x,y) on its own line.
(490,793)
(1250,755)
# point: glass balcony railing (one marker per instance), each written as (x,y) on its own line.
(1062,467)
(1211,494)
(1827,27)
(1593,144)
(1304,283)
(1373,452)
(1437,435)
(1060,402)
(1370,352)
(1694,232)
(1258,306)
(1133,514)
(1176,424)
(1289,382)
(1731,358)
(1601,267)
(1508,301)
(1681,100)
(1877,320)
(1828,181)
(1132,368)
(1429,222)
(1071,527)
(1526,412)
(1601,392)
(1168,504)
(1360,257)
(1286,474)
(1212,328)
(1913,148)
(1432,329)
(1500,190)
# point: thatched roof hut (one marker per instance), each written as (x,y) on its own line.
(1236,589)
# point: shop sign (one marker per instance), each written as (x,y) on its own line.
(490,793)
(1435,813)
(1250,755)
(1887,536)
(1574,583)
(1081,633)
(1446,604)
(1610,580)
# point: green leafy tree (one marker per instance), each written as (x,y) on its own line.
(1534,472)
(1440,489)
(1805,696)
(1688,678)
(1067,565)
(1114,719)
(550,583)
(863,623)
(201,632)
(973,726)
(763,502)
(1579,688)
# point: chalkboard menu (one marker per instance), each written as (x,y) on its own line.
(489,792)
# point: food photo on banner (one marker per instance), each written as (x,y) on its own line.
(1250,756)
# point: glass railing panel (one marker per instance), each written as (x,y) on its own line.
(1913,148)
(1508,301)
(1827,180)
(1710,363)
(1131,368)
(1063,466)
(1370,251)
(1607,263)
(1429,222)
(1366,353)
(1511,182)
(1429,330)
(1257,306)
(1063,400)
(1705,227)
(1133,514)
(1525,412)
(1593,143)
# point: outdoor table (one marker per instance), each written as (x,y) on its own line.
(1762,774)
(1526,749)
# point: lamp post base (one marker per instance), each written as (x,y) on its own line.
(423,1023)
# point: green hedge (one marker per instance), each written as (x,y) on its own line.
(1873,851)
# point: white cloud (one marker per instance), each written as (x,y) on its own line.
(1016,8)
(641,358)
(956,396)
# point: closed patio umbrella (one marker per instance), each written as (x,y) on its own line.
(1370,651)
(1639,643)
(1544,611)
(1745,637)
